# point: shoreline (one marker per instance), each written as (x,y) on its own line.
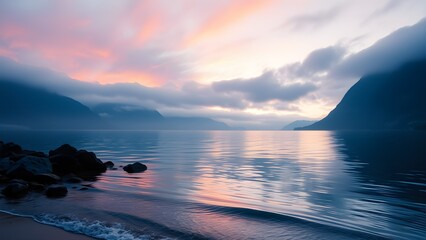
(24,228)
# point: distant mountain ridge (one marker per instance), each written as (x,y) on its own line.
(298,124)
(393,100)
(27,107)
(31,107)
(130,117)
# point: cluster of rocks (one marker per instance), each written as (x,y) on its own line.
(25,170)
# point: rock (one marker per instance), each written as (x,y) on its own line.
(34,153)
(84,188)
(4,179)
(56,191)
(46,178)
(65,149)
(74,180)
(135,167)
(38,187)
(109,164)
(7,149)
(89,162)
(64,164)
(15,190)
(5,165)
(29,166)
(16,156)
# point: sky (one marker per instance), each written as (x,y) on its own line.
(256,64)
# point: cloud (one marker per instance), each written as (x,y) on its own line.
(190,94)
(385,9)
(225,17)
(403,45)
(322,59)
(313,20)
(266,87)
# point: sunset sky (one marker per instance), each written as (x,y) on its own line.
(252,63)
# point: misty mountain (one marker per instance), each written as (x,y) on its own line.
(31,107)
(298,124)
(130,117)
(393,100)
(122,116)
(193,123)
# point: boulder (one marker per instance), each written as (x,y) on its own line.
(7,149)
(64,164)
(65,149)
(5,164)
(56,191)
(34,153)
(89,162)
(109,164)
(29,166)
(38,187)
(15,190)
(135,167)
(46,178)
(16,156)
(73,179)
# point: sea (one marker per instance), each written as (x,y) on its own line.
(239,185)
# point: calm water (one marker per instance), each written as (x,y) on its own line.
(241,185)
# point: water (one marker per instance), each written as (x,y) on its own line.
(241,185)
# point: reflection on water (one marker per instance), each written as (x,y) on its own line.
(241,184)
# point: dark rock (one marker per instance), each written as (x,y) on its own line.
(7,149)
(109,164)
(135,167)
(65,149)
(4,179)
(64,164)
(46,178)
(5,164)
(34,153)
(15,190)
(74,180)
(28,166)
(56,191)
(114,168)
(18,181)
(38,187)
(89,162)
(16,156)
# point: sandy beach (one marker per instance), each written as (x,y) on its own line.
(22,228)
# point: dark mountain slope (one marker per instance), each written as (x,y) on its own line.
(128,117)
(39,109)
(395,100)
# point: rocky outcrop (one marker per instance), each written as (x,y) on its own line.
(23,171)
(67,159)
(135,167)
(109,164)
(15,189)
(56,191)
(29,166)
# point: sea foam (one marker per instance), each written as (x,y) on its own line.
(96,229)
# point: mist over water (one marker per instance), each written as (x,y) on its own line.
(243,184)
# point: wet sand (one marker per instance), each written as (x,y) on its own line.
(22,228)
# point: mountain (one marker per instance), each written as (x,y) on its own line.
(130,117)
(26,106)
(122,116)
(298,124)
(393,100)
(194,123)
